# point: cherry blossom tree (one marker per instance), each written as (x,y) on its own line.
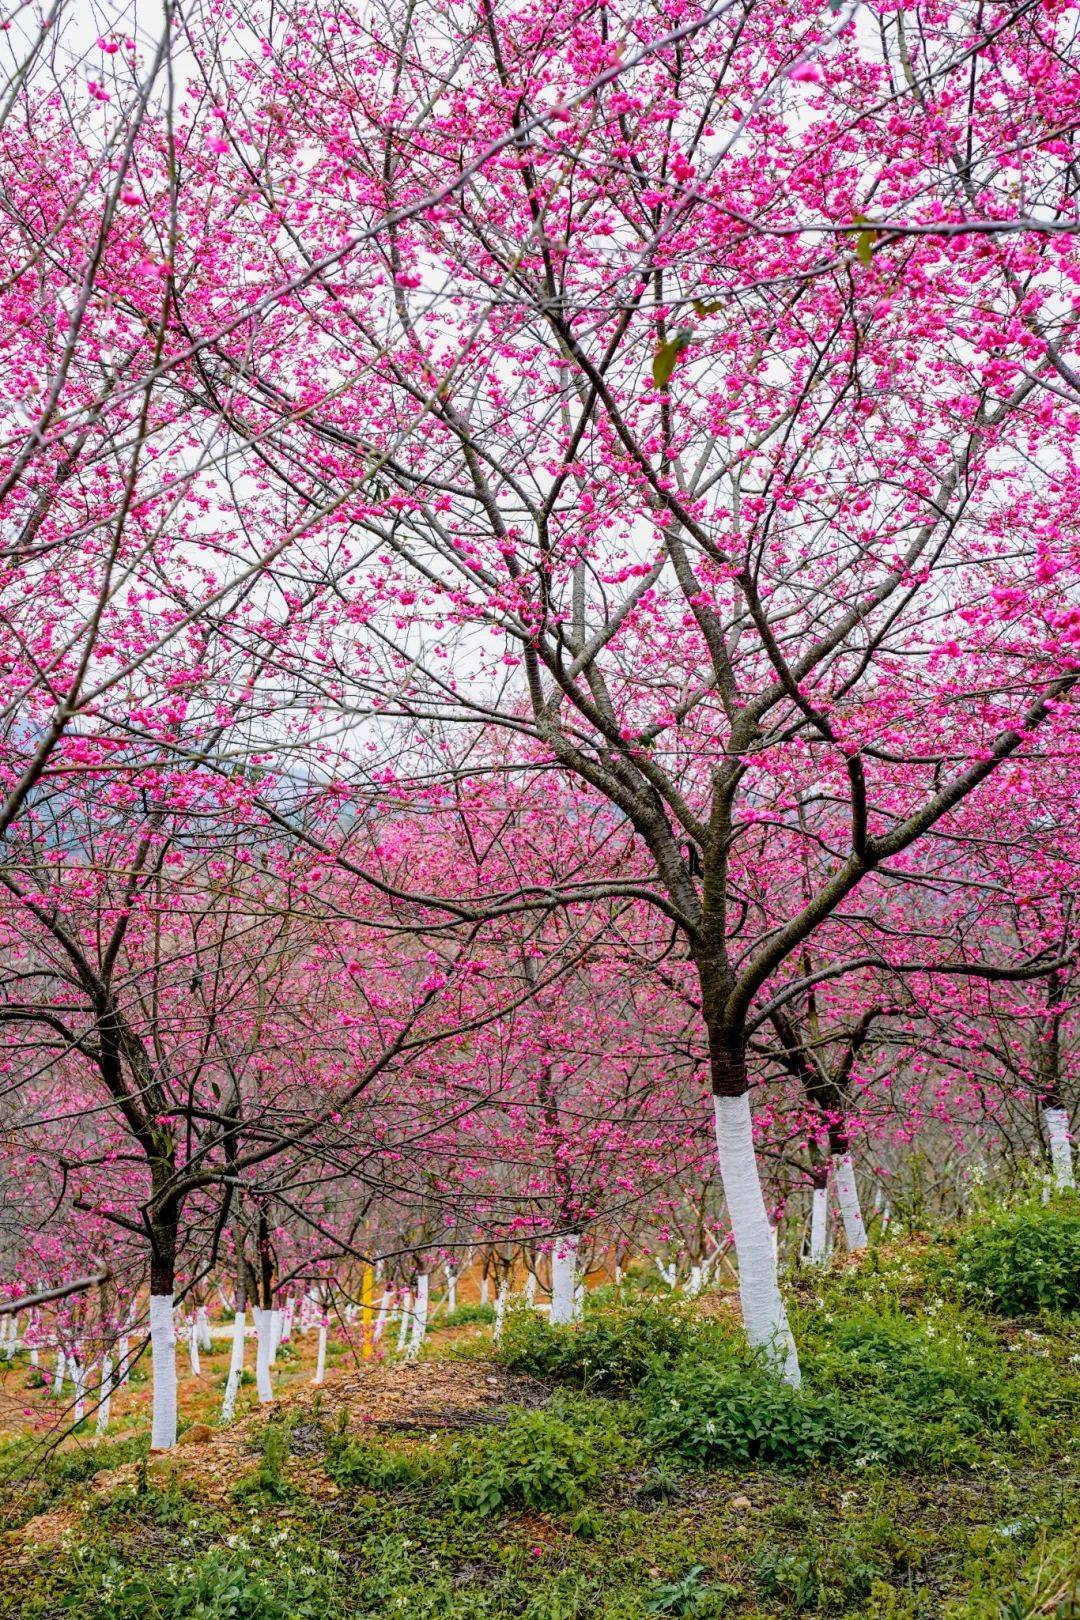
(747,497)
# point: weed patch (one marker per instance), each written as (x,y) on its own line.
(1017,1262)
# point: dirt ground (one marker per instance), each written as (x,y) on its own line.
(376,1396)
(27,1407)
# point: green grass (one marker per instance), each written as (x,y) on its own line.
(928,1470)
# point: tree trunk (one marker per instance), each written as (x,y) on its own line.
(80,1388)
(264,1335)
(819,1224)
(236,1363)
(500,1308)
(202,1325)
(163,1365)
(764,1317)
(1056,1121)
(105,1393)
(847,1193)
(403,1328)
(164,1230)
(420,1313)
(320,1363)
(563,1266)
(384,1311)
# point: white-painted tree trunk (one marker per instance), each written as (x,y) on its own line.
(236,1366)
(530,1289)
(819,1225)
(764,1317)
(403,1328)
(693,1284)
(384,1311)
(105,1393)
(276,1325)
(33,1355)
(123,1361)
(500,1309)
(58,1374)
(13,1337)
(667,1272)
(287,1320)
(163,1370)
(484,1291)
(618,1275)
(264,1331)
(79,1374)
(202,1323)
(451,1291)
(1056,1121)
(193,1349)
(420,1315)
(563,1277)
(847,1194)
(320,1363)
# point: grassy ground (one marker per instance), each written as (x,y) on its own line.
(638,1465)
